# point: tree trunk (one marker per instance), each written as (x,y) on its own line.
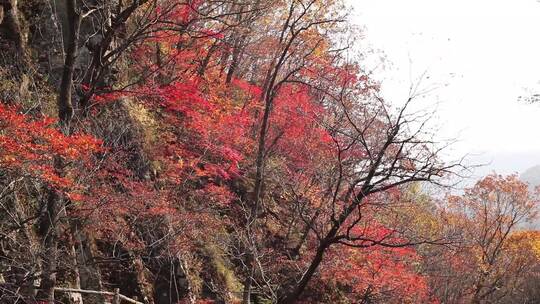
(246,296)
(143,280)
(49,231)
(237,50)
(74,276)
(206,61)
(259,179)
(89,270)
(191,295)
(11,20)
(297,290)
(293,296)
(65,104)
(51,216)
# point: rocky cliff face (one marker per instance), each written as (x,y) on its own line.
(33,35)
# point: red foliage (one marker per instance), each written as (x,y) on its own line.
(28,148)
(295,129)
(377,273)
(208,133)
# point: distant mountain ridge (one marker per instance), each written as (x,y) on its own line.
(531,176)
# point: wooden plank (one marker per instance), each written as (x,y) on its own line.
(107,293)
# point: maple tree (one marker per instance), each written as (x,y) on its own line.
(485,261)
(35,150)
(28,147)
(378,275)
(496,206)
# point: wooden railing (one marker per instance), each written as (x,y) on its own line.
(117,297)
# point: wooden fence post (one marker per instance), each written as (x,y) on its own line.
(116,299)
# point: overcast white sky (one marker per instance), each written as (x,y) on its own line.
(483,54)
